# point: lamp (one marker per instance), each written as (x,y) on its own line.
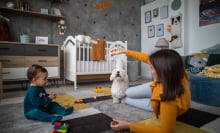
(162,43)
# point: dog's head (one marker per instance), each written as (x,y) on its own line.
(82,39)
(118,74)
(176,20)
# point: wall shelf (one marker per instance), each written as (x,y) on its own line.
(11,42)
(38,14)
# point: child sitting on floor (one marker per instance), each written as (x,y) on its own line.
(38,104)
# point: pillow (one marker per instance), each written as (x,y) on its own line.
(194,64)
(213,59)
(211,71)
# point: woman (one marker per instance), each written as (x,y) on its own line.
(170,90)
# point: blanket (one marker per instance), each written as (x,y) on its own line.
(211,71)
(98,50)
(68,100)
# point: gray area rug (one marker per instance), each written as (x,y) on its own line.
(120,111)
(13,120)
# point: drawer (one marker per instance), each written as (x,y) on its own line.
(12,61)
(53,72)
(42,60)
(41,50)
(12,49)
(13,73)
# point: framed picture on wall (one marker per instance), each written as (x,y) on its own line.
(164,12)
(151,31)
(155,12)
(148,17)
(160,30)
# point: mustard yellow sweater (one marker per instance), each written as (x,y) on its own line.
(165,111)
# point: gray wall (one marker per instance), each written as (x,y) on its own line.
(121,21)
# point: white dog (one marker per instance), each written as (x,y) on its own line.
(120,84)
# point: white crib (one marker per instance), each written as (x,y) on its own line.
(78,62)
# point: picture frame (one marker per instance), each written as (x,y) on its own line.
(160,30)
(151,31)
(164,12)
(148,17)
(41,40)
(155,12)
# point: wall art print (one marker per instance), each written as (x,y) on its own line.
(151,31)
(209,12)
(148,17)
(164,12)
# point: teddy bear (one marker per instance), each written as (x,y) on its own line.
(175,30)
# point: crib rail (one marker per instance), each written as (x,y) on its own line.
(78,61)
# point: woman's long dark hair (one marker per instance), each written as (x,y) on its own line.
(169,67)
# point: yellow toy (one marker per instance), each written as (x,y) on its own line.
(78,101)
(98,90)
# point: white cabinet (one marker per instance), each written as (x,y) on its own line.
(13,73)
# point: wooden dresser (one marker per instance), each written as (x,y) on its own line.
(17,57)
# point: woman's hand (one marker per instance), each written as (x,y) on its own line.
(117,50)
(119,125)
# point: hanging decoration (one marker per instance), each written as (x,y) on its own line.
(175,30)
(61,27)
(103,5)
(176,4)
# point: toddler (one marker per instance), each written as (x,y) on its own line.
(38,104)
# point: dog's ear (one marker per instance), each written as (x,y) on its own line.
(178,18)
(125,75)
(112,75)
(172,20)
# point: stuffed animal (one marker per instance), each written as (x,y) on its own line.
(61,26)
(175,30)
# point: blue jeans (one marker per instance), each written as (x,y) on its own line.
(139,96)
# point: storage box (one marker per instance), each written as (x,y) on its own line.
(44,11)
(41,40)
(25,38)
